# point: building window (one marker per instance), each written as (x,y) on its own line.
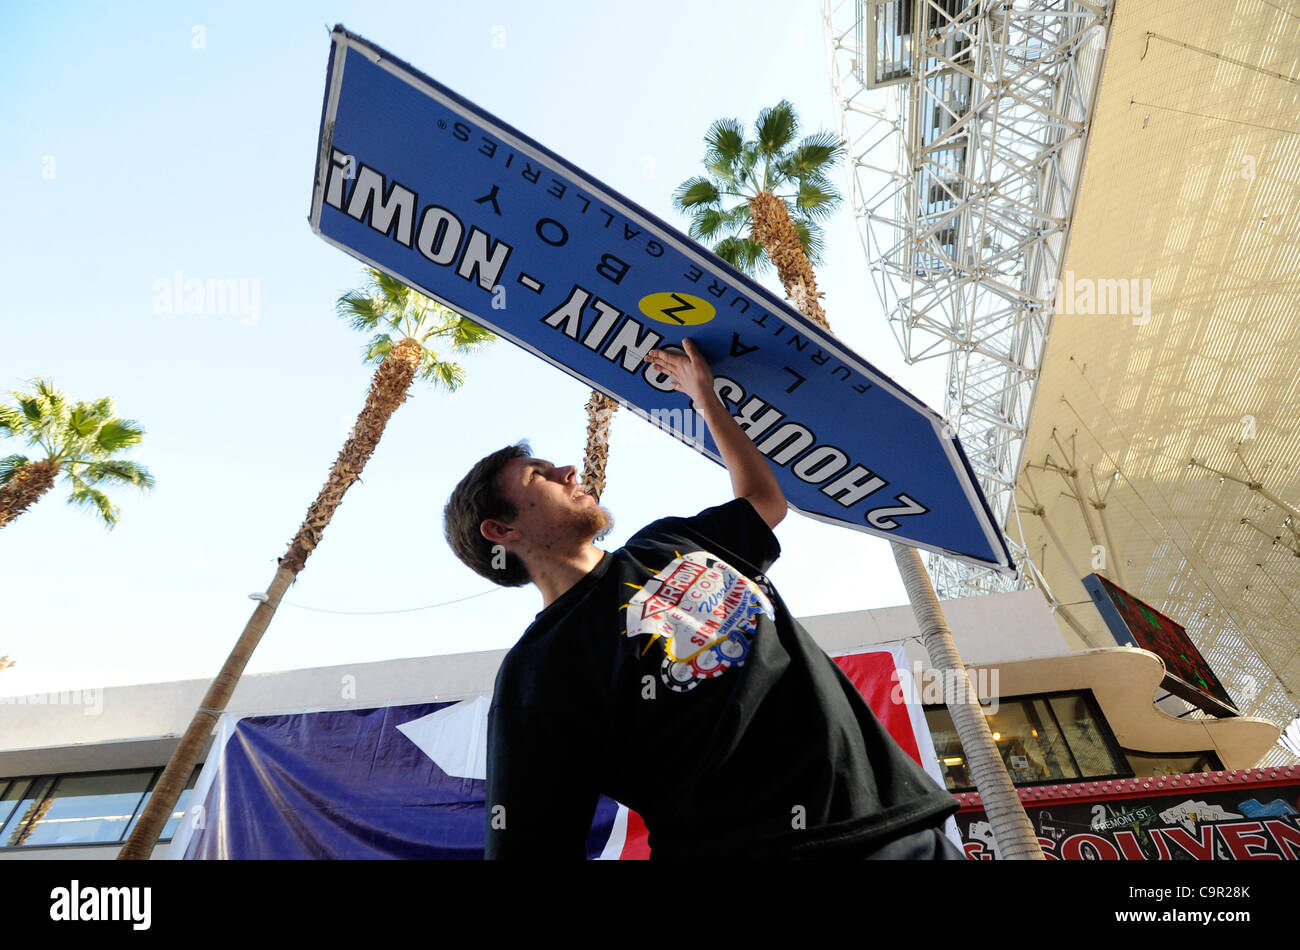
(12,791)
(178,812)
(1050,738)
(29,793)
(85,809)
(1147,764)
(79,808)
(1085,735)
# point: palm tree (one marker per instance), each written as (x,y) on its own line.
(600,415)
(783,228)
(763,200)
(762,203)
(403,324)
(77,440)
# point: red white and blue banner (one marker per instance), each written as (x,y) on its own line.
(419,183)
(408,782)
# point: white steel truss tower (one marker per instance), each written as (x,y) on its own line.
(963,172)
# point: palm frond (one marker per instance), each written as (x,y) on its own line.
(785,175)
(82,420)
(33,409)
(725,170)
(95,500)
(746,170)
(12,420)
(715,224)
(400,312)
(362,311)
(391,290)
(816,201)
(118,434)
(776,128)
(738,215)
(815,155)
(743,253)
(9,466)
(116,470)
(376,350)
(726,138)
(51,395)
(706,225)
(467,336)
(810,239)
(443,374)
(695,192)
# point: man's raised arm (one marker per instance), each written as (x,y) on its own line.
(751,474)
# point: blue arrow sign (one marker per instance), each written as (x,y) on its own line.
(425,186)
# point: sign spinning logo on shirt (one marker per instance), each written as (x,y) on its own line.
(706,613)
(427,187)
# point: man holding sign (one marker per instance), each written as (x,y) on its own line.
(670,675)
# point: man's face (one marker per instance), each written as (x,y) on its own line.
(552,506)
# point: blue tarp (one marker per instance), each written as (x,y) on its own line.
(351,784)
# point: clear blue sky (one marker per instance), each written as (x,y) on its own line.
(130,155)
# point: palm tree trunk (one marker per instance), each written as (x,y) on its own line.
(26,487)
(773,229)
(1012,831)
(388,390)
(144,837)
(600,413)
(30,821)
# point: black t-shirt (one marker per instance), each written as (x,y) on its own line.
(673,679)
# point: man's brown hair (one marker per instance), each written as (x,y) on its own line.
(476,499)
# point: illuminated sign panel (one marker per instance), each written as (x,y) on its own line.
(1137,623)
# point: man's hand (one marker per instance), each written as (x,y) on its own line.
(751,474)
(690,373)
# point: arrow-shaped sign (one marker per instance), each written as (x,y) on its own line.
(427,187)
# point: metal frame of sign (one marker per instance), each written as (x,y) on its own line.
(709,263)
